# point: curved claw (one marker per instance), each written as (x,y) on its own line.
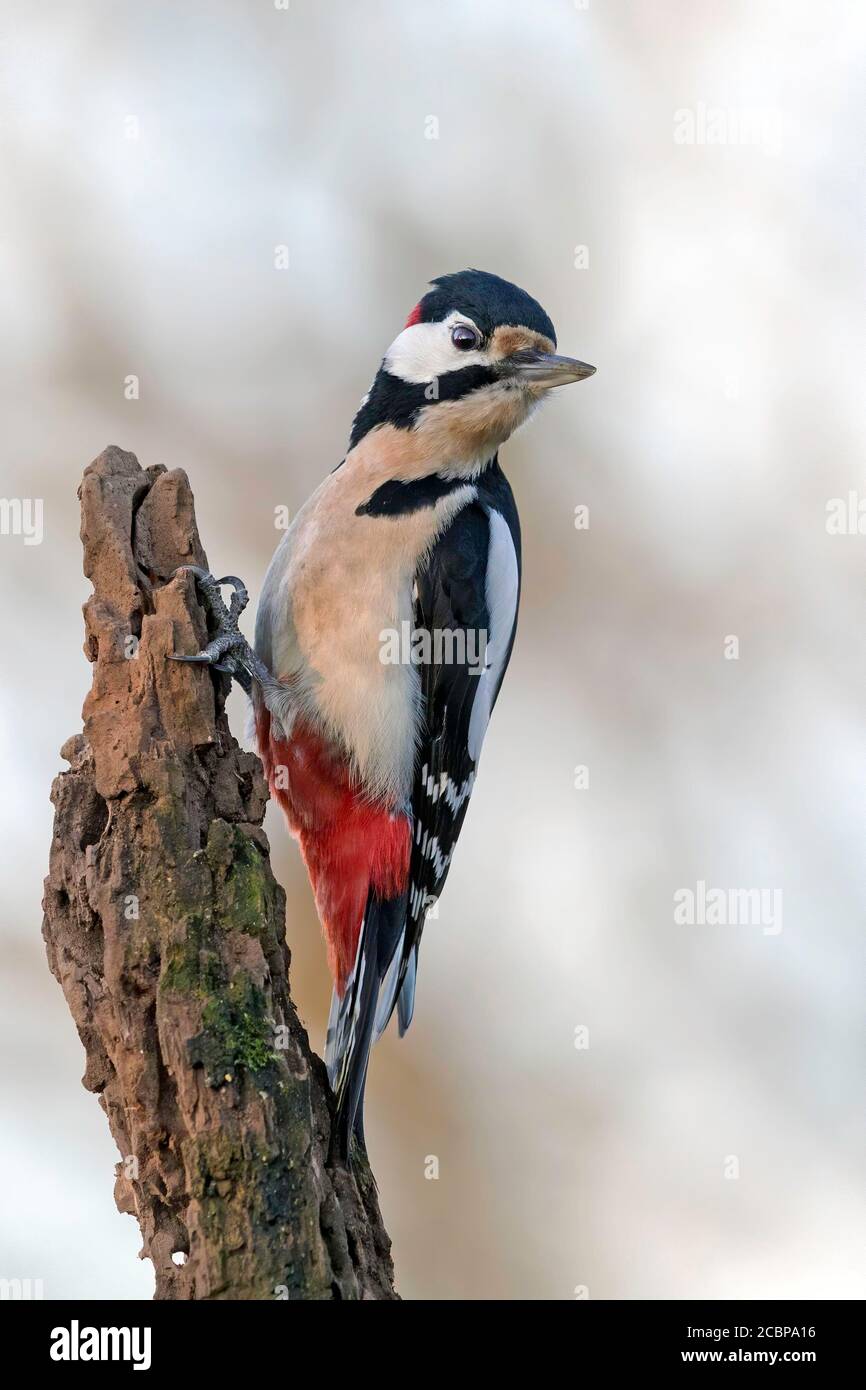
(211,589)
(240,598)
(204,659)
(193,569)
(220,653)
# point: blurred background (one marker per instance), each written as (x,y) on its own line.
(620,1104)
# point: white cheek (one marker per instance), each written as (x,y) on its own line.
(425,351)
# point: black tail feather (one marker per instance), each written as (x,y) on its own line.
(351,1036)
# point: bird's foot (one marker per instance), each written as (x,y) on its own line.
(228,650)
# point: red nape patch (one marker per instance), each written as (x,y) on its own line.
(349,844)
(415,316)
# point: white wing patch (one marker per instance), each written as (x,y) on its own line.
(451,794)
(502,589)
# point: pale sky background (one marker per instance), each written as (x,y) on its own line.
(722,304)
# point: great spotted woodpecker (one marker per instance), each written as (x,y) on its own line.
(373,759)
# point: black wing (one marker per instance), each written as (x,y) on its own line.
(470,587)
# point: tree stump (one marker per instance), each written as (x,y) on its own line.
(166,929)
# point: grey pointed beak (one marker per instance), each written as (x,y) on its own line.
(544,369)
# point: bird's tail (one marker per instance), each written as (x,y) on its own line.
(352,1021)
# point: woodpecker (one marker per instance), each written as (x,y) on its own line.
(373,759)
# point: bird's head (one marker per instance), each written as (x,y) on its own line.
(475,358)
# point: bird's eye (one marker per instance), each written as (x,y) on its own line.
(463,337)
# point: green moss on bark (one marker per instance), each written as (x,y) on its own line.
(235,1033)
(243,885)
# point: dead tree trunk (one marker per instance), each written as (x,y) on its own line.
(165,928)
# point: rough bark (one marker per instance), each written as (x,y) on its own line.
(165,928)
